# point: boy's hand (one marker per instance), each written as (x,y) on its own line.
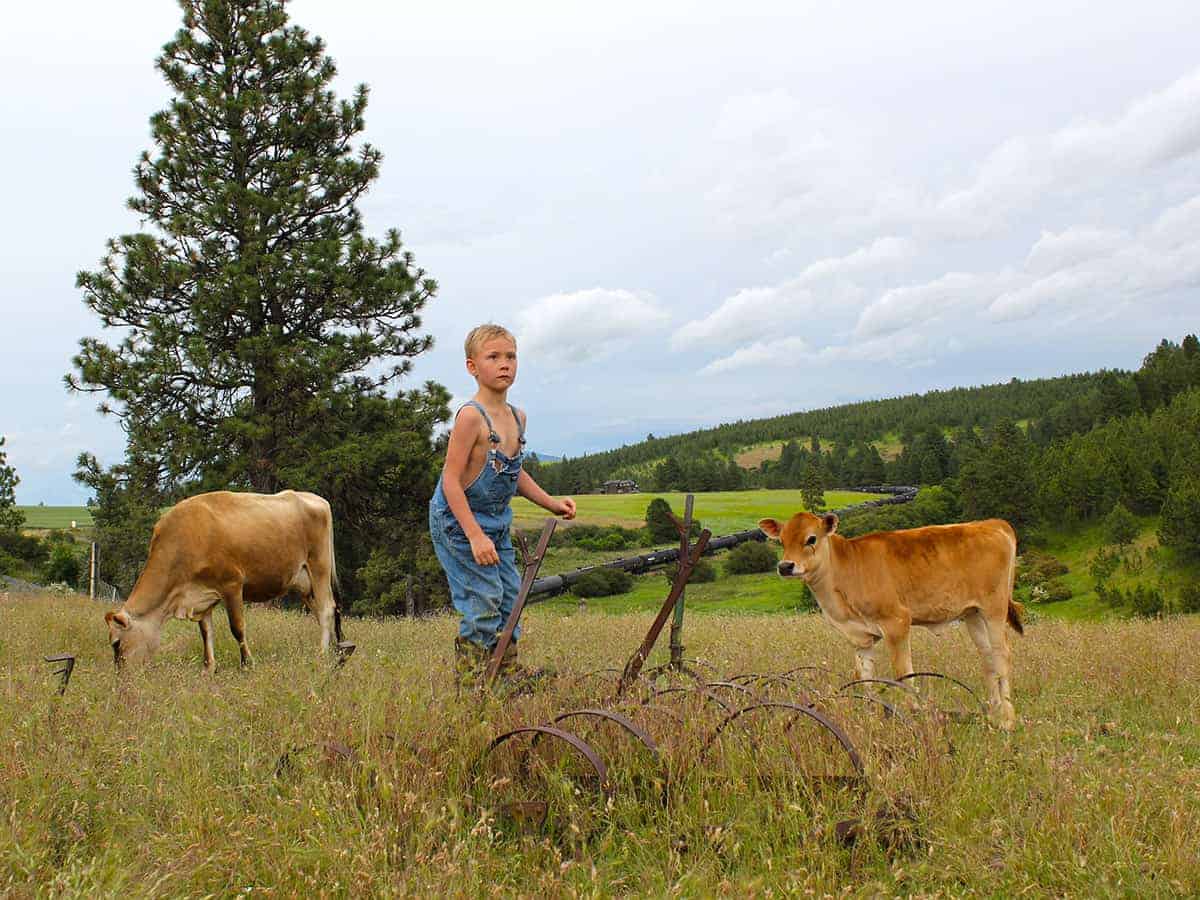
(566,508)
(484,551)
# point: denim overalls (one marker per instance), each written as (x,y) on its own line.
(483,595)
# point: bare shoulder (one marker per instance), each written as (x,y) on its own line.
(468,424)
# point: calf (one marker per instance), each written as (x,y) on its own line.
(879,585)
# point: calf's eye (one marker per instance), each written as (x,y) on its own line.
(812,540)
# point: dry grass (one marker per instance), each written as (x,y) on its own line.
(169,784)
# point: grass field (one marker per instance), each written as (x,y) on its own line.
(721,511)
(56,516)
(167,783)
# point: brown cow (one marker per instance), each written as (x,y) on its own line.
(879,585)
(230,548)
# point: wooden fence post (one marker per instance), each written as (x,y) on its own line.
(92,574)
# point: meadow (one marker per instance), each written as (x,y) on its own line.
(47,517)
(296,779)
(720,511)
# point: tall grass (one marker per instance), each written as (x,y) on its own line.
(297,779)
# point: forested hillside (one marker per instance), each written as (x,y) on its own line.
(916,439)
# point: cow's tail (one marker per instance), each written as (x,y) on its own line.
(1015,608)
(336,587)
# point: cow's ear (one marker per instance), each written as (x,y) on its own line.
(120,618)
(770,528)
(830,521)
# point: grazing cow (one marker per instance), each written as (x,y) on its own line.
(230,548)
(879,585)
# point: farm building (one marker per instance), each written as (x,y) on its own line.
(621,486)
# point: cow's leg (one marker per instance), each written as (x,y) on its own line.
(864,658)
(977,629)
(206,637)
(896,634)
(322,603)
(237,622)
(1002,663)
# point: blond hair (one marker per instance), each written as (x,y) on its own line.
(482,333)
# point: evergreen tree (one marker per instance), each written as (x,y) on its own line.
(1180,524)
(1120,526)
(261,328)
(999,481)
(812,492)
(255,296)
(11,518)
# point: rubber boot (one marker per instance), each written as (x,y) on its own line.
(470,662)
(518,677)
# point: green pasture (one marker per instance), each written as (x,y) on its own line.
(56,516)
(721,511)
(294,779)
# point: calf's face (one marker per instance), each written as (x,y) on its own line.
(805,540)
(133,640)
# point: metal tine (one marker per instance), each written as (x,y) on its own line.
(65,672)
(532,564)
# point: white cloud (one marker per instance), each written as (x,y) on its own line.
(1062,250)
(569,328)
(783,352)
(755,312)
(901,308)
(1164,257)
(1158,129)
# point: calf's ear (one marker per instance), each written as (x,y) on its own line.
(120,618)
(770,528)
(830,520)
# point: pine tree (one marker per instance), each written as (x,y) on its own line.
(11,518)
(812,491)
(262,330)
(254,297)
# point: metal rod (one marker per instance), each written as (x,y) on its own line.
(634,667)
(685,528)
(532,564)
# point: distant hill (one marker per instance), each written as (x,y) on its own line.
(887,425)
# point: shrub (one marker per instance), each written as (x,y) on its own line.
(660,525)
(705,571)
(1120,526)
(658,521)
(1146,601)
(1189,598)
(1056,592)
(63,566)
(24,547)
(752,556)
(602,582)
(1048,567)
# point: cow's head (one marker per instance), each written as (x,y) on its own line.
(133,639)
(805,540)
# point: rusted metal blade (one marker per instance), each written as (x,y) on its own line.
(65,672)
(634,666)
(638,732)
(584,749)
(532,564)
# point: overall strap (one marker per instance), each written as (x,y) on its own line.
(492,436)
(520,426)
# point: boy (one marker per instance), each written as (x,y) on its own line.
(470,513)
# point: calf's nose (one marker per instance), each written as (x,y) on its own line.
(786,567)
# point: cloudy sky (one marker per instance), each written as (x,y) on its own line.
(689,212)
